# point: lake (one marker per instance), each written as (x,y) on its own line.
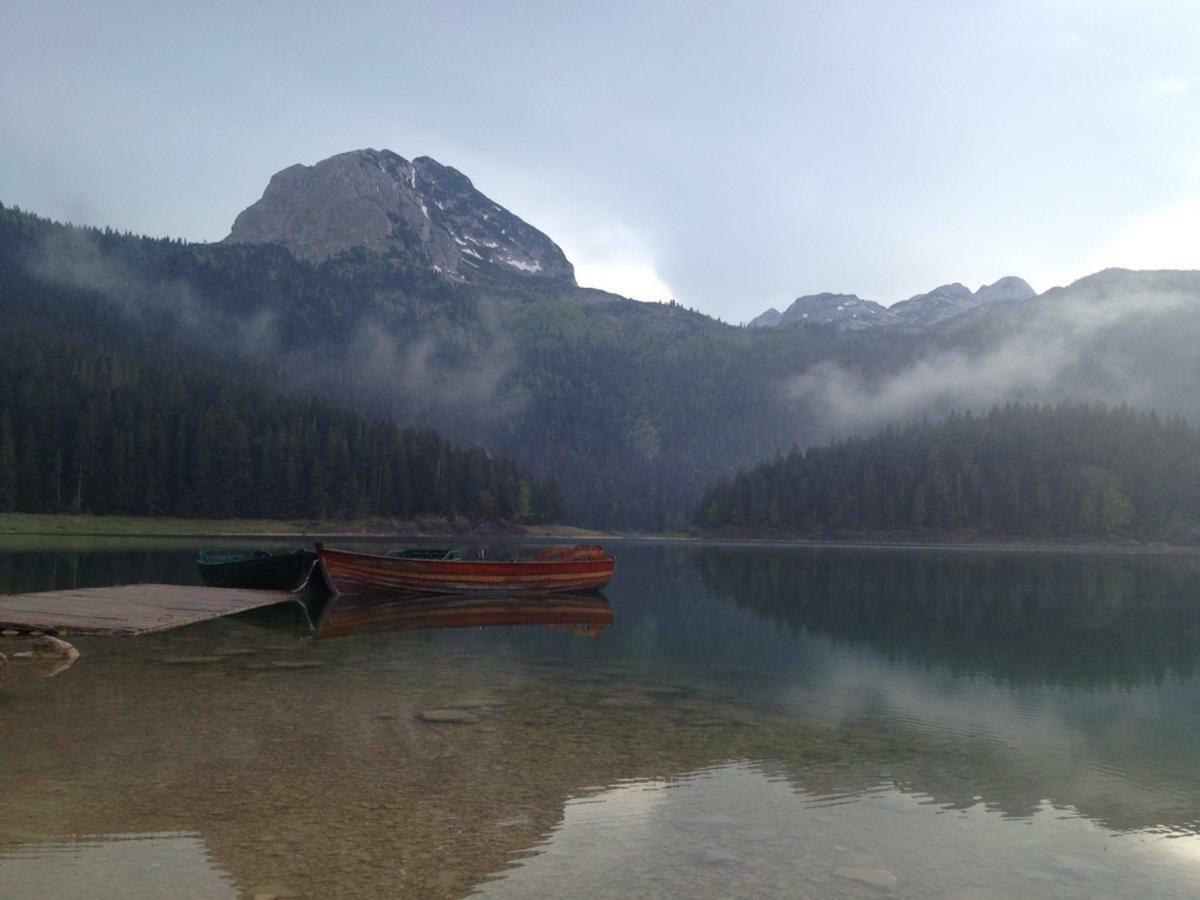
(757,721)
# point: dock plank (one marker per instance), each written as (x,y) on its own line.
(129,609)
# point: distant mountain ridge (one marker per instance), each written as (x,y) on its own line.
(849,312)
(420,212)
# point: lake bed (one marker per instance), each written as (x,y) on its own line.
(758,721)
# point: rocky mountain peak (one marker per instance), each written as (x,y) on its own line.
(847,311)
(850,312)
(1010,287)
(768,319)
(421,211)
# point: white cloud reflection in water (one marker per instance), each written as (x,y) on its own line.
(736,830)
(130,866)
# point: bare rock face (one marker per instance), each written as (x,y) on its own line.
(934,306)
(1010,287)
(851,313)
(421,212)
(768,319)
(845,311)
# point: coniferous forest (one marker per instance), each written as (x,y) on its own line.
(1017,471)
(156,376)
(98,418)
(632,408)
(103,433)
(82,430)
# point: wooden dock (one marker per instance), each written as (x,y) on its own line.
(128,609)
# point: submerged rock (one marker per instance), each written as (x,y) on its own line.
(47,647)
(3,669)
(50,666)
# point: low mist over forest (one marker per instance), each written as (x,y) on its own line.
(422,304)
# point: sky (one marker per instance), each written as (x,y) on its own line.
(731,156)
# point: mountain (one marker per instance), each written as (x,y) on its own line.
(768,319)
(918,313)
(633,408)
(844,311)
(950,300)
(420,212)
(1010,287)
(932,307)
(104,414)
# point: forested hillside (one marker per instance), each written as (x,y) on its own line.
(1017,471)
(98,418)
(635,409)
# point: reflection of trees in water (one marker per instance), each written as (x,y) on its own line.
(559,716)
(36,570)
(1020,617)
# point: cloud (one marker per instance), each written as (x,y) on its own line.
(629,279)
(1171,86)
(426,379)
(611,256)
(1162,238)
(1047,352)
(73,258)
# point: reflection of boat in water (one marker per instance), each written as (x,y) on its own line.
(576,569)
(250,568)
(583,614)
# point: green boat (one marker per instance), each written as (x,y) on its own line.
(249,568)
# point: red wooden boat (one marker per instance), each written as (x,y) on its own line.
(558,570)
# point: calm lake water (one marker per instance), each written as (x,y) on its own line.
(757,722)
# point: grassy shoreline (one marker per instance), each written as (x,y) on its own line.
(85,526)
(32,524)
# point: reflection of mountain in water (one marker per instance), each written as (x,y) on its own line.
(1020,617)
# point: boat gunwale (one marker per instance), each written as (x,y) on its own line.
(461,575)
(392,560)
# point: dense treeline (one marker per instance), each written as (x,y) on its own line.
(634,408)
(1018,471)
(117,426)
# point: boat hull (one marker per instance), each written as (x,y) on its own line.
(281,572)
(347,572)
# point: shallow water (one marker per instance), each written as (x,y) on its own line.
(756,722)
